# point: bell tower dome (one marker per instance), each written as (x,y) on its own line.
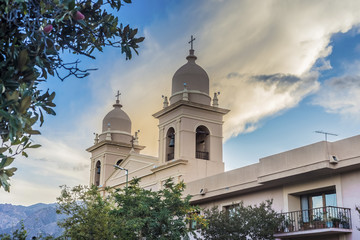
(190,128)
(116,125)
(112,145)
(192,80)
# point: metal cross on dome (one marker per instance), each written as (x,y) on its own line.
(118,95)
(191,41)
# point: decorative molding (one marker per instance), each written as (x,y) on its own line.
(190,117)
(169,164)
(190,104)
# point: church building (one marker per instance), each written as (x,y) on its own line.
(316,187)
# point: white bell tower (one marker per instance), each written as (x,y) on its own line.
(190,128)
(113,145)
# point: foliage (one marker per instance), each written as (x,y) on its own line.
(241,222)
(18,234)
(33,35)
(154,215)
(131,213)
(21,234)
(88,213)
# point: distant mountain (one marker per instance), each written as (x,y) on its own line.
(38,219)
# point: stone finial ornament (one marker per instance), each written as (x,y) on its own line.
(136,138)
(96,140)
(108,134)
(166,102)
(216,100)
(185,96)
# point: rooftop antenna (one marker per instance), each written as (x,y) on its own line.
(326,134)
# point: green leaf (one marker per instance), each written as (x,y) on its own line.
(6,162)
(140,39)
(12,96)
(10,172)
(71,5)
(24,154)
(4,181)
(35,146)
(49,110)
(3,149)
(33,132)
(52,96)
(22,59)
(41,118)
(133,33)
(25,104)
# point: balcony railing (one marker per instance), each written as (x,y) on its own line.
(170,156)
(202,155)
(316,218)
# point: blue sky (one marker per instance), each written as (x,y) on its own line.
(284,68)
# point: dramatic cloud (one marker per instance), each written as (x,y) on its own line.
(256,97)
(340,95)
(274,48)
(60,160)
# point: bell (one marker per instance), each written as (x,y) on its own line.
(172,142)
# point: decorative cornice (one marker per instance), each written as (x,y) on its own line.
(113,143)
(169,164)
(181,103)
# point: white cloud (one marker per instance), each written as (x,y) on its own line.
(38,177)
(340,95)
(252,98)
(25,192)
(60,160)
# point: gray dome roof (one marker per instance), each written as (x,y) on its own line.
(118,120)
(193,75)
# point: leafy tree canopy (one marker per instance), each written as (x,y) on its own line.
(88,213)
(241,222)
(33,33)
(130,213)
(18,234)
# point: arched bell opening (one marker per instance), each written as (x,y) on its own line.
(170,144)
(119,162)
(97,173)
(202,142)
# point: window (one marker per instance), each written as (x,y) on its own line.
(314,206)
(97,173)
(202,142)
(170,144)
(231,209)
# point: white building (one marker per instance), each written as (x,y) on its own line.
(317,186)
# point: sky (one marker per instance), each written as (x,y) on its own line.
(285,69)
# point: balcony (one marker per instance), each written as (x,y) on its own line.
(202,155)
(315,221)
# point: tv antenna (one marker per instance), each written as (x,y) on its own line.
(326,134)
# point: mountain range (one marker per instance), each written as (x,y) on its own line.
(38,219)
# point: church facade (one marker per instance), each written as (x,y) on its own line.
(315,187)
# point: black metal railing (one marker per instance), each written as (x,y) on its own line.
(202,155)
(316,218)
(170,156)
